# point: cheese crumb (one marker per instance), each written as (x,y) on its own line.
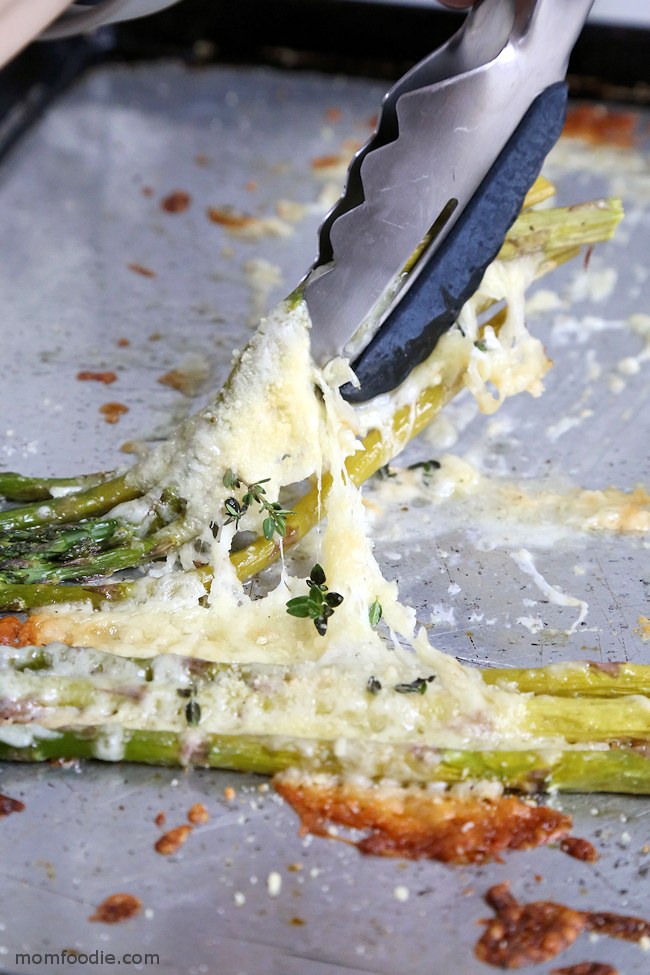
(239,898)
(274,883)
(401,893)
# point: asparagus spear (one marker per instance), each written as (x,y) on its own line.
(585,721)
(573,679)
(529,770)
(21,597)
(556,230)
(17,487)
(568,679)
(88,503)
(38,689)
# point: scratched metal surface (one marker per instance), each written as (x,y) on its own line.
(75,213)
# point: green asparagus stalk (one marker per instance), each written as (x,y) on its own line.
(528,770)
(21,597)
(88,503)
(17,487)
(91,547)
(559,229)
(577,720)
(586,721)
(569,679)
(574,679)
(58,540)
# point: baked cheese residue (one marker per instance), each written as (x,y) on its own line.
(452,826)
(502,506)
(643,628)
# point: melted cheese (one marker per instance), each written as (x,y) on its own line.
(322,701)
(502,507)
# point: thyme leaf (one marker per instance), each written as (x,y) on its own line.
(230,480)
(319,604)
(192,712)
(317,575)
(374,613)
(417,686)
(426,465)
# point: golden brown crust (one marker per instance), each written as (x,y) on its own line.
(113,411)
(579,849)
(529,934)
(106,376)
(330,161)
(176,202)
(599,126)
(586,968)
(15,633)
(198,814)
(417,824)
(116,908)
(172,840)
(227,217)
(526,934)
(9,805)
(618,925)
(10,627)
(176,379)
(141,269)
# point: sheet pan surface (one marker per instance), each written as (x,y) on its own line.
(80,202)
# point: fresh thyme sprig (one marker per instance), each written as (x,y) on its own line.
(319,604)
(276,515)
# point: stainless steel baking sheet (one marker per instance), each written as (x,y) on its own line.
(80,202)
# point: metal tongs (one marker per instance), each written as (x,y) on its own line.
(429,199)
